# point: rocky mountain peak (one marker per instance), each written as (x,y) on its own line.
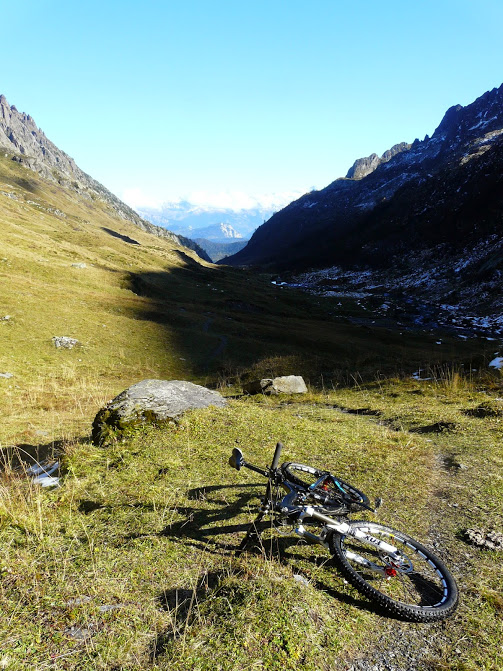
(449,121)
(364,166)
(21,137)
(229,231)
(465,123)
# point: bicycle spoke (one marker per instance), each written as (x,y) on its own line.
(418,584)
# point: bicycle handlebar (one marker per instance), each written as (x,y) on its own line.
(236,461)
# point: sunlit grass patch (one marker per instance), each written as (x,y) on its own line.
(136,524)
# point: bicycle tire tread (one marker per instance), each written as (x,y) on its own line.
(407,612)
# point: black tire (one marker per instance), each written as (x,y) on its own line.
(304,476)
(421,591)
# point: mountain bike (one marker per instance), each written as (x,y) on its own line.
(387,566)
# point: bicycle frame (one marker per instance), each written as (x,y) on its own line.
(395,557)
(285,508)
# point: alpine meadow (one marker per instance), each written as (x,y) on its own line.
(128,560)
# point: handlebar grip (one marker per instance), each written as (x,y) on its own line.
(275,459)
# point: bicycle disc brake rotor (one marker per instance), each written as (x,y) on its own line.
(395,566)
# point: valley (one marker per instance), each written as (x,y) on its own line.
(129,563)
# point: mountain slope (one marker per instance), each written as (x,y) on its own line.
(26,144)
(440,197)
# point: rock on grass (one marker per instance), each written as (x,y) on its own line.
(150,401)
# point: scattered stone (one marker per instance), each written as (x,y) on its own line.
(6,375)
(81,633)
(64,342)
(78,601)
(79,265)
(287,384)
(150,401)
(300,578)
(290,384)
(5,319)
(113,606)
(491,540)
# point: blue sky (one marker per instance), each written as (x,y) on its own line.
(237,102)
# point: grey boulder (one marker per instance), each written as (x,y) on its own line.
(286,384)
(150,401)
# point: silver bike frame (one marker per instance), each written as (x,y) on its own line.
(344,529)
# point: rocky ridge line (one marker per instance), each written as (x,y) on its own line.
(29,146)
(428,219)
(364,166)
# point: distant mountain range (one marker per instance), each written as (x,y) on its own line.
(21,138)
(219,240)
(433,205)
(218,233)
(188,219)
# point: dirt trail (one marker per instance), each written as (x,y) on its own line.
(404,646)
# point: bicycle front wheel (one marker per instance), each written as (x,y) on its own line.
(418,587)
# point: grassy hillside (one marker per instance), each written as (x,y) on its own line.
(129,564)
(143,307)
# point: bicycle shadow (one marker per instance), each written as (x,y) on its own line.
(182,605)
(205,527)
(283,550)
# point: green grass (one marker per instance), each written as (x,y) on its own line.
(160,515)
(130,563)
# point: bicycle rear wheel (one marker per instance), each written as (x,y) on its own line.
(418,588)
(305,476)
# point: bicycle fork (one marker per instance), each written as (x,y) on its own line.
(393,555)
